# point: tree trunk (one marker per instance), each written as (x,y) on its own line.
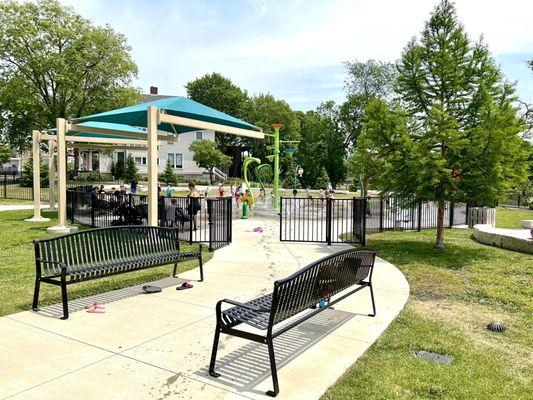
(211,176)
(439,243)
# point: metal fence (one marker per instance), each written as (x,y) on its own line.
(348,220)
(198,221)
(391,213)
(10,187)
(322,220)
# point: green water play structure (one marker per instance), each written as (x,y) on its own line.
(276,154)
(273,157)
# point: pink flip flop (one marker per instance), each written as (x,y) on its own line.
(95,309)
(95,304)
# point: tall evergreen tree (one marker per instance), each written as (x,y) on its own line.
(131,172)
(456,138)
(168,176)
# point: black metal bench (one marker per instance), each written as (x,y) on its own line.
(332,278)
(102,252)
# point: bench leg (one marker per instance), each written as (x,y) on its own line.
(35,304)
(214,354)
(373,302)
(201,265)
(273,393)
(175,270)
(64,298)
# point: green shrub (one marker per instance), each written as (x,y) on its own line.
(131,172)
(91,176)
(26,178)
(168,176)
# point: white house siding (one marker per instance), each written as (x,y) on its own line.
(189,167)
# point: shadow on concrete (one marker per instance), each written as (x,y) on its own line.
(247,367)
(56,310)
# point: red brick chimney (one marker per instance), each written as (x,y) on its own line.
(153,90)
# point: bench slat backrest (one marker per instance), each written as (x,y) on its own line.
(324,278)
(105,244)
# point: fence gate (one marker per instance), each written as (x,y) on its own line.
(322,220)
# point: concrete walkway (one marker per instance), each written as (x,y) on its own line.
(158,346)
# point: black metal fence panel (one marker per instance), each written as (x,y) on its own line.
(322,220)
(391,213)
(348,220)
(198,220)
(10,187)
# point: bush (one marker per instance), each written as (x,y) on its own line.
(233,181)
(26,178)
(92,176)
(168,176)
(117,169)
(323,180)
(131,172)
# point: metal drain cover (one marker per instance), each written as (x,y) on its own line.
(496,326)
(426,355)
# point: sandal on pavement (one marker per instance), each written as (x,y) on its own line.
(151,289)
(184,285)
(95,310)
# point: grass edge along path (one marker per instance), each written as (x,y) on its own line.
(17,266)
(454,294)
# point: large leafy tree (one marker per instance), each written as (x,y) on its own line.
(366,80)
(264,110)
(311,155)
(5,152)
(218,92)
(54,63)
(333,145)
(454,133)
(207,155)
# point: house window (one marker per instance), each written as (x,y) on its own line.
(199,135)
(175,160)
(140,160)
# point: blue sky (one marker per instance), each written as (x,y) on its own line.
(294,49)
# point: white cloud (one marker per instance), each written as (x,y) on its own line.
(293,48)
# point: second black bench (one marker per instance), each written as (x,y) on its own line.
(101,252)
(330,279)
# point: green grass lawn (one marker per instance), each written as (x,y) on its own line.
(511,217)
(17,266)
(454,294)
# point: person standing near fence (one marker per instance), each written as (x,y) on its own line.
(133,186)
(238,195)
(170,213)
(169,191)
(193,203)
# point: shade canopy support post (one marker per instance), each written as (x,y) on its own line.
(36,180)
(51,175)
(276,165)
(153,121)
(61,227)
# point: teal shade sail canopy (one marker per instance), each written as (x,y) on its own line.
(136,116)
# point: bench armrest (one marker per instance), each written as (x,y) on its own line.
(243,305)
